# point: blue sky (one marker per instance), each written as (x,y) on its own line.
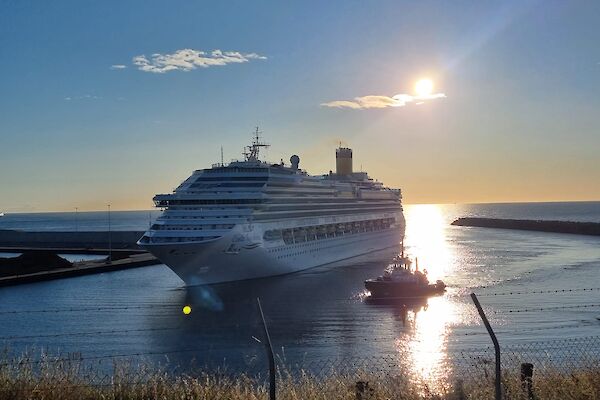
(519,121)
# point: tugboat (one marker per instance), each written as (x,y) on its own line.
(399,281)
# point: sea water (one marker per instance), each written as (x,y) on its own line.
(322,314)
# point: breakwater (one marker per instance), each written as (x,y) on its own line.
(125,240)
(18,274)
(39,261)
(578,228)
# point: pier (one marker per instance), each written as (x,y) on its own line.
(571,227)
(42,248)
(44,273)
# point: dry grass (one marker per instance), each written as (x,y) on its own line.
(53,379)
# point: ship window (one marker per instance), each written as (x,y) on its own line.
(228,185)
(231,178)
(272,235)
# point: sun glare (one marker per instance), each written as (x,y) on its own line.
(426,238)
(424,87)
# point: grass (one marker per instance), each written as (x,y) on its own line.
(59,379)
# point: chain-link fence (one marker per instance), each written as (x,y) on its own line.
(561,369)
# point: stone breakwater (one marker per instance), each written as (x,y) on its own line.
(577,228)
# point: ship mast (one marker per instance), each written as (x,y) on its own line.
(251,152)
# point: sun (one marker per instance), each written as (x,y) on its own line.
(424,87)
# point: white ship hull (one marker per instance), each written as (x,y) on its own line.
(218,261)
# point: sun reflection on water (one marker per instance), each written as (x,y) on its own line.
(426,239)
(426,345)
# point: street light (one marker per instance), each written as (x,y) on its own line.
(109,238)
(76,220)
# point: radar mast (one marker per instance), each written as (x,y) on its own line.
(251,152)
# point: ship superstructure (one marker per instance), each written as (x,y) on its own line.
(250,219)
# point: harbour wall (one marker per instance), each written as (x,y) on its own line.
(42,273)
(125,240)
(578,228)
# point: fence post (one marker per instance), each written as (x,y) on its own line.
(459,390)
(363,391)
(498,382)
(269,349)
(527,379)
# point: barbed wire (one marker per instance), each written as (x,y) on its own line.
(465,293)
(114,331)
(538,292)
(101,357)
(545,308)
(529,346)
(54,335)
(358,297)
(84,309)
(542,328)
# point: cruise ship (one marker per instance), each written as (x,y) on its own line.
(252,219)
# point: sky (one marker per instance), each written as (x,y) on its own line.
(111,102)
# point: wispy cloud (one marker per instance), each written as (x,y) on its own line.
(84,97)
(375,101)
(189,59)
(118,66)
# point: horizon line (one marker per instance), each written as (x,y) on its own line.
(403,204)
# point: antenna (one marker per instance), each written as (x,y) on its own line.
(251,152)
(256,132)
(222,164)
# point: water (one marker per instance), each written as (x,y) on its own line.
(320,313)
(82,221)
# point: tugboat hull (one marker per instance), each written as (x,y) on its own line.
(381,289)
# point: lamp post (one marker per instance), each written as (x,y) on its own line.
(76,219)
(109,238)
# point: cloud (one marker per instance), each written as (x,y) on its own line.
(84,97)
(375,101)
(189,59)
(118,66)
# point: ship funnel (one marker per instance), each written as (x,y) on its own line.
(343,161)
(295,161)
